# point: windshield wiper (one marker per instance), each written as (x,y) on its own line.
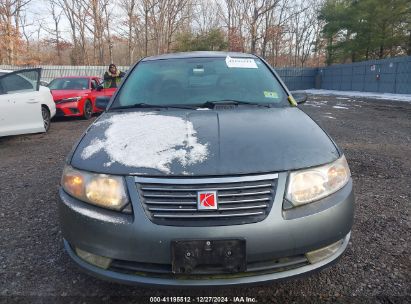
(147,105)
(213,103)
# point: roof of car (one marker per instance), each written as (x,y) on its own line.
(77,77)
(200,54)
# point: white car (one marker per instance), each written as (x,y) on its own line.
(25,105)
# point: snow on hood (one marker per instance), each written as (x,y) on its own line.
(158,140)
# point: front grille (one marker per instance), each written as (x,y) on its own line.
(253,268)
(241,200)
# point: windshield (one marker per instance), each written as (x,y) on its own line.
(195,81)
(69,84)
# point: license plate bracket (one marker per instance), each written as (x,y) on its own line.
(208,256)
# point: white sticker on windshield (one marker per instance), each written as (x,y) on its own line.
(245,63)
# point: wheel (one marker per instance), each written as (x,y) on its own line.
(45,113)
(88,110)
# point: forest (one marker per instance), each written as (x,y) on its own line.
(292,33)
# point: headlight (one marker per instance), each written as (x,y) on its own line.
(312,184)
(71,99)
(103,190)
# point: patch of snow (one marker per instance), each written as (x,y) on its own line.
(157,140)
(312,105)
(108,164)
(95,146)
(187,173)
(329,117)
(384,96)
(339,107)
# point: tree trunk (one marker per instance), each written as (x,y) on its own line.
(146,31)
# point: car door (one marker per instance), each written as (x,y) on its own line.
(100,91)
(20,106)
(94,85)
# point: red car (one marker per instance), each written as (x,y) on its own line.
(76,95)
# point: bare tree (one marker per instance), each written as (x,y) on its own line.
(147,8)
(9,10)
(107,14)
(25,24)
(304,30)
(67,7)
(285,32)
(56,13)
(233,16)
(206,16)
(255,13)
(176,13)
(97,11)
(129,7)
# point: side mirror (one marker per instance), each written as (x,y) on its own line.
(102,102)
(99,88)
(300,97)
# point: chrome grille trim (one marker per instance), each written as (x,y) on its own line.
(244,201)
(170,203)
(173,201)
(244,194)
(206,215)
(205,180)
(244,207)
(205,189)
(169,195)
(172,209)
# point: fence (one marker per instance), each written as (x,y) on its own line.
(298,78)
(391,75)
(50,72)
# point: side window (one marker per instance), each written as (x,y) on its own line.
(25,81)
(94,84)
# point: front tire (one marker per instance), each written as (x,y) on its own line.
(45,113)
(87,110)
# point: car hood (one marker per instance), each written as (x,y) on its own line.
(203,142)
(60,94)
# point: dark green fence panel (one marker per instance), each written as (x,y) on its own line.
(298,78)
(391,75)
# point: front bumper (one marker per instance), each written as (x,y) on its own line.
(138,279)
(68,109)
(135,238)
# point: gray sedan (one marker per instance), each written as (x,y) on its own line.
(203,171)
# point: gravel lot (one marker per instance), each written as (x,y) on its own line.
(376,138)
